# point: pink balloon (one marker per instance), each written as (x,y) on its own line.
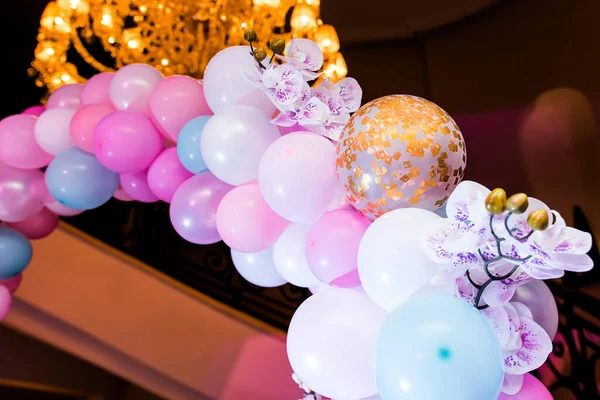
(532,389)
(194,208)
(18,147)
(39,226)
(84,122)
(5,301)
(22,193)
(136,186)
(166,174)
(120,194)
(332,247)
(68,96)
(52,130)
(131,87)
(245,221)
(96,89)
(62,210)
(34,110)
(12,284)
(174,101)
(126,142)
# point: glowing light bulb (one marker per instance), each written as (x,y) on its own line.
(336,69)
(304,18)
(143,9)
(164,62)
(111,40)
(106,20)
(327,39)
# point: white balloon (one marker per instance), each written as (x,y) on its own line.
(289,256)
(225,84)
(257,268)
(131,86)
(540,301)
(391,264)
(51,130)
(331,343)
(234,141)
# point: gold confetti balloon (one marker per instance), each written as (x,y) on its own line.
(400,151)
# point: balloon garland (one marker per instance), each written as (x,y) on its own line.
(425,287)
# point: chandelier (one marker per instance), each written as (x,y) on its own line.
(176,37)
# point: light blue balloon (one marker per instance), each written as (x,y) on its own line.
(188,145)
(15,252)
(77,180)
(438,347)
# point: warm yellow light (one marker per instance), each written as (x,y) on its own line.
(133,38)
(335,68)
(106,20)
(164,62)
(79,6)
(327,39)
(304,18)
(312,3)
(54,19)
(270,3)
(111,40)
(143,9)
(45,51)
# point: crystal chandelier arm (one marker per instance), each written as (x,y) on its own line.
(85,54)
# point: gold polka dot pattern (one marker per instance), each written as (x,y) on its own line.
(400,151)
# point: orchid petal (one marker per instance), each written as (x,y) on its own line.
(499,322)
(512,384)
(468,193)
(572,262)
(351,93)
(432,242)
(305,53)
(460,263)
(573,241)
(522,310)
(498,294)
(534,351)
(282,120)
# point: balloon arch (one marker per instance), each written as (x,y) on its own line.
(423,284)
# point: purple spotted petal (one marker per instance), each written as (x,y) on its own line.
(284,85)
(498,294)
(473,195)
(534,351)
(573,241)
(512,384)
(282,120)
(465,290)
(459,264)
(538,268)
(333,131)
(255,78)
(305,54)
(498,320)
(330,97)
(351,93)
(572,262)
(432,242)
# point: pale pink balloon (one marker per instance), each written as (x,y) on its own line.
(21,193)
(96,89)
(245,221)
(39,226)
(52,129)
(532,389)
(174,101)
(84,122)
(68,96)
(120,194)
(126,142)
(193,210)
(34,110)
(332,247)
(18,147)
(166,174)
(136,186)
(131,87)
(12,284)
(5,301)
(62,210)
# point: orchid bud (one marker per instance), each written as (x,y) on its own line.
(495,202)
(260,54)
(277,46)
(250,35)
(517,203)
(538,220)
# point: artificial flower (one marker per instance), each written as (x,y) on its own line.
(306,56)
(525,345)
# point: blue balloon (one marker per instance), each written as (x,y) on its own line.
(188,145)
(438,347)
(77,180)
(15,252)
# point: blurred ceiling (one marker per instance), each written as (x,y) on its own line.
(375,20)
